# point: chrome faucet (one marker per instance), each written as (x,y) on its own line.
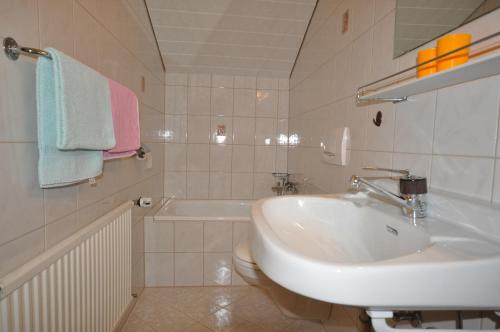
(412,197)
(284,186)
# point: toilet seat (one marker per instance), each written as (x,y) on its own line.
(290,304)
(246,266)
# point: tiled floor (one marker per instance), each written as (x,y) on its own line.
(203,309)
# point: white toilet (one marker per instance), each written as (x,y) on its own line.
(291,304)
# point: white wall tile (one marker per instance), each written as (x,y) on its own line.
(218,236)
(222,101)
(415,124)
(245,82)
(283,104)
(463,175)
(361,64)
(284,84)
(188,269)
(59,202)
(176,99)
(199,100)
(357,123)
(220,158)
(175,184)
(243,157)
(265,131)
(244,131)
(198,79)
(265,159)
(15,253)
(188,236)
(215,180)
(266,103)
(58,34)
(19,184)
(159,236)
(176,79)
(217,269)
(197,185)
(467,118)
(383,7)
(175,157)
(262,184)
(267,83)
(281,159)
(198,157)
(362,16)
(222,81)
(242,185)
(159,269)
(175,128)
(18,105)
(244,102)
(198,129)
(496,185)
(220,185)
(383,46)
(60,229)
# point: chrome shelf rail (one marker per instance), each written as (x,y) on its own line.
(363,91)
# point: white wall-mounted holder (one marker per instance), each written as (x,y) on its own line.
(399,86)
(335,146)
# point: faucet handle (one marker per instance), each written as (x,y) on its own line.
(405,172)
(408,184)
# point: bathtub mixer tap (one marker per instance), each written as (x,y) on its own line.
(283,185)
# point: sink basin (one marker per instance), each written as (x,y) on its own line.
(356,250)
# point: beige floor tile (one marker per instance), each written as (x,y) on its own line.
(136,324)
(305,326)
(217,309)
(247,327)
(259,309)
(222,320)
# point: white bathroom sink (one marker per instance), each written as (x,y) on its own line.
(356,250)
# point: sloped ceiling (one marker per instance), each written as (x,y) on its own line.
(239,37)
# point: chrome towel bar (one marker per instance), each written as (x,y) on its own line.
(13,50)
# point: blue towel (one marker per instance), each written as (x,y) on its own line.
(73,112)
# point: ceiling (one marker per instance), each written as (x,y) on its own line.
(238,37)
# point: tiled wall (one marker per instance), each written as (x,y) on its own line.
(113,38)
(192,253)
(449,135)
(198,163)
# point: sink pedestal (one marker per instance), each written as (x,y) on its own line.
(379,323)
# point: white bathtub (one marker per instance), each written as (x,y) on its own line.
(190,242)
(205,210)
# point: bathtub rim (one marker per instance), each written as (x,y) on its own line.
(157,217)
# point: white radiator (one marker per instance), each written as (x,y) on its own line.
(81,284)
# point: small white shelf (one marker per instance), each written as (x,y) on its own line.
(484,66)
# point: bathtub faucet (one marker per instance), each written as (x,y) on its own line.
(283,185)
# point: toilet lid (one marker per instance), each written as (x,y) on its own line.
(242,253)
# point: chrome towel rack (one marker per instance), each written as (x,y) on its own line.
(13,50)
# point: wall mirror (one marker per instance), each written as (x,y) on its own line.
(420,21)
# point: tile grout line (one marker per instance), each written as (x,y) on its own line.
(496,160)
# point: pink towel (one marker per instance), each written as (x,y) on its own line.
(125,110)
